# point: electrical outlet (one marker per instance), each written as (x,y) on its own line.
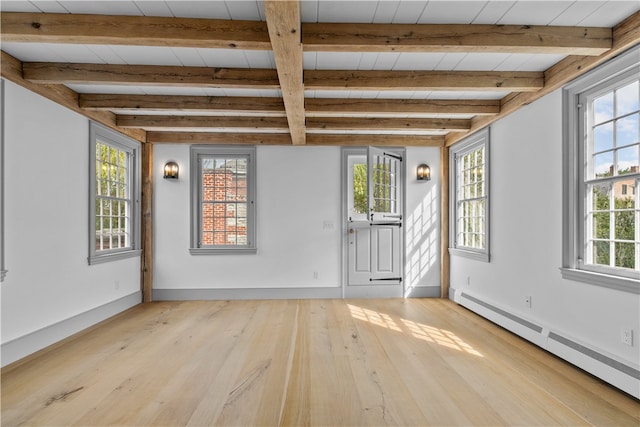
(315,275)
(468,280)
(527,301)
(626,336)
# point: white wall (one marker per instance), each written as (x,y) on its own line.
(50,290)
(298,194)
(526,241)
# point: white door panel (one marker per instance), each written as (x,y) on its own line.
(374,224)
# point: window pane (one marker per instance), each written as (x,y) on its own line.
(601,195)
(601,254)
(603,165)
(625,225)
(628,160)
(625,255)
(627,99)
(603,108)
(601,225)
(603,137)
(627,130)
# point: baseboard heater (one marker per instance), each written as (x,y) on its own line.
(575,352)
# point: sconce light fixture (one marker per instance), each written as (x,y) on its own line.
(423,173)
(171,170)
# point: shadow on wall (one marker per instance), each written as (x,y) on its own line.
(421,241)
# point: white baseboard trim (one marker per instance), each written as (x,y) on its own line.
(25,345)
(245,293)
(423,292)
(597,362)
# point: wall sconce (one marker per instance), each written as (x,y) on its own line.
(171,170)
(423,173)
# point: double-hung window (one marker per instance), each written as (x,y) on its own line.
(223,216)
(602,173)
(114,195)
(469,168)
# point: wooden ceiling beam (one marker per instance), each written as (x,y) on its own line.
(423,80)
(378,140)
(283,22)
(12,70)
(133,31)
(355,37)
(326,107)
(115,74)
(154,122)
(285,139)
(386,124)
(215,104)
(625,35)
(218,138)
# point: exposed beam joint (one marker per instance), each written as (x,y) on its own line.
(12,70)
(354,37)
(283,22)
(625,35)
(133,31)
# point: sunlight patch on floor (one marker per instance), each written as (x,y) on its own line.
(439,336)
(374,317)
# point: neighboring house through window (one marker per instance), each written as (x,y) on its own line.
(602,162)
(469,166)
(114,195)
(223,200)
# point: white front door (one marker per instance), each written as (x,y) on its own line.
(374,223)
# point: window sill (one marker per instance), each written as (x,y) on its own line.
(605,280)
(478,256)
(99,259)
(222,251)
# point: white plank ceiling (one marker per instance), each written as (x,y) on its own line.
(545,13)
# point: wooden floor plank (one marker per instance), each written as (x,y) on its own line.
(304,362)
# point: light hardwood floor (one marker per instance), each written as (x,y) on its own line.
(309,362)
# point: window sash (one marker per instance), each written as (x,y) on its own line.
(580,176)
(114,196)
(223,195)
(469,183)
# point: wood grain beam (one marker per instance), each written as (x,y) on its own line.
(133,31)
(12,70)
(285,139)
(423,80)
(325,107)
(625,35)
(157,122)
(283,22)
(115,74)
(218,138)
(354,37)
(375,139)
(146,226)
(214,104)
(386,124)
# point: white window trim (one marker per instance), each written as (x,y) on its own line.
(462,147)
(118,140)
(573,188)
(195,181)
